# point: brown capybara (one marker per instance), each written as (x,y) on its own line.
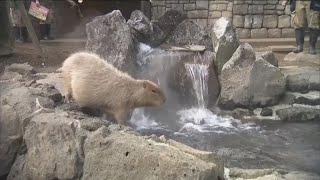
(92,82)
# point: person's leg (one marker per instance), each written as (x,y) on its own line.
(42,30)
(314,26)
(24,34)
(298,22)
(48,29)
(6,38)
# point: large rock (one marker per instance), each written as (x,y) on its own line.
(61,147)
(122,155)
(225,41)
(299,113)
(189,33)
(145,30)
(109,36)
(268,174)
(269,57)
(304,81)
(170,20)
(249,82)
(195,79)
(303,58)
(19,101)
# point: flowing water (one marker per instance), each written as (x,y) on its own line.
(292,146)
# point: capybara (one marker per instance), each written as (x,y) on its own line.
(92,82)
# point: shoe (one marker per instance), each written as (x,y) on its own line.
(314,33)
(299,40)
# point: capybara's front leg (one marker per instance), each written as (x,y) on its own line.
(121,116)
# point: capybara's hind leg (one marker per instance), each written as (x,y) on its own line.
(121,116)
(67,88)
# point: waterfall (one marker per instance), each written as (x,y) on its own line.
(199,76)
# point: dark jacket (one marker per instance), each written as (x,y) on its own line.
(315,5)
(292,5)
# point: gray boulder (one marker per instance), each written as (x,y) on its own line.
(145,30)
(269,57)
(61,147)
(225,41)
(109,36)
(304,81)
(189,33)
(195,79)
(299,113)
(121,155)
(249,83)
(19,102)
(170,20)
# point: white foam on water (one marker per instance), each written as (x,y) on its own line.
(143,52)
(203,120)
(141,121)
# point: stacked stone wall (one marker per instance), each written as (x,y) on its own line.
(252,18)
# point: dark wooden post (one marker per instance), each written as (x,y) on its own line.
(29,26)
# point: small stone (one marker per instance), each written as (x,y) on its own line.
(227,14)
(202,5)
(269,12)
(280,7)
(178,7)
(267,7)
(266,112)
(240,9)
(243,33)
(215,14)
(288,33)
(238,21)
(257,21)
(270,21)
(284,21)
(198,14)
(222,7)
(274,33)
(213,7)
(257,9)
(259,33)
(248,21)
(189,7)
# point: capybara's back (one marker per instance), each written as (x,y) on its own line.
(92,82)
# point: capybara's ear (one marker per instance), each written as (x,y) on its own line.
(145,84)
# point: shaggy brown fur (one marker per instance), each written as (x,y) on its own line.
(92,82)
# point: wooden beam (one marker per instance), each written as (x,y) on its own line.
(30,28)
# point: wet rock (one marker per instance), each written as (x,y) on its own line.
(304,81)
(266,112)
(269,174)
(311,98)
(303,58)
(225,41)
(158,160)
(170,20)
(183,76)
(53,149)
(109,36)
(248,82)
(269,57)
(299,113)
(23,69)
(189,33)
(10,137)
(145,30)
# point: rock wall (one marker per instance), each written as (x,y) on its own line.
(253,19)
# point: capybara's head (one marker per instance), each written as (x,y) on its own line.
(152,94)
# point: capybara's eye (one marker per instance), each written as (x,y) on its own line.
(153,90)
